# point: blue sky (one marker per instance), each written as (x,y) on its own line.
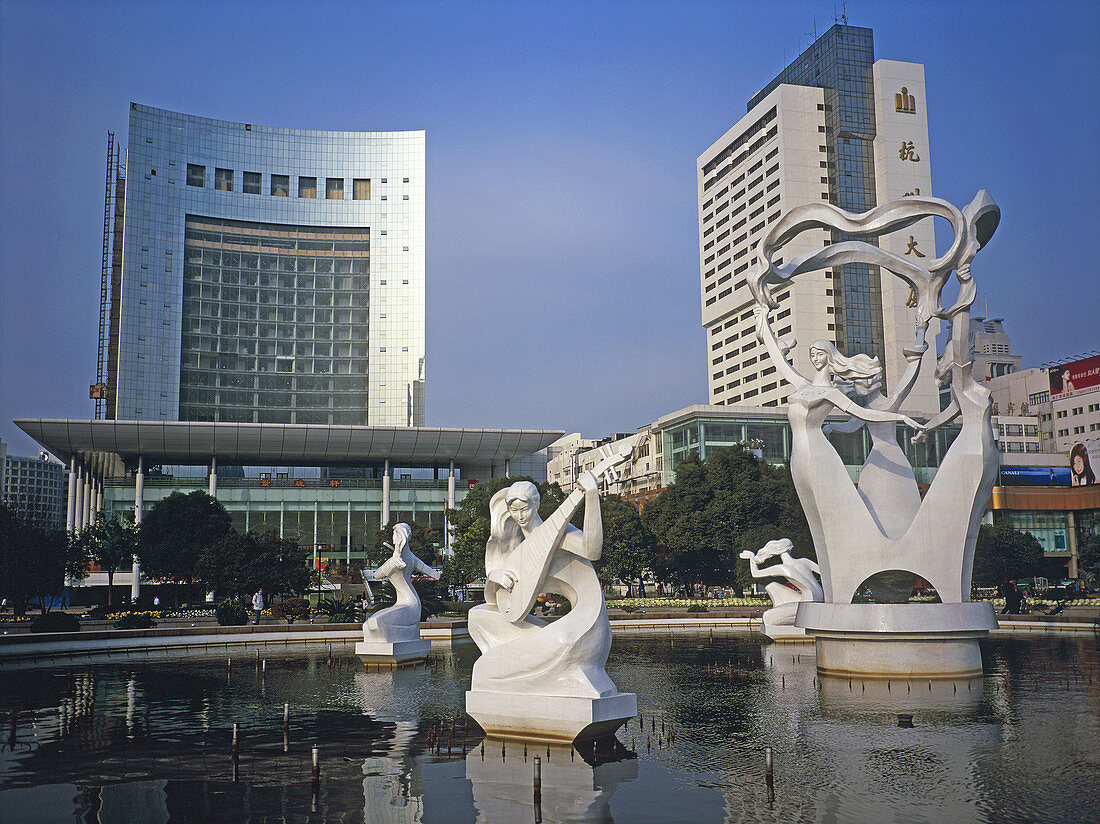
(562,242)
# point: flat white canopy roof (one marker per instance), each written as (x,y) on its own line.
(275,444)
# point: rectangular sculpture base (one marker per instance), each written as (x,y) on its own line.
(550,718)
(400,654)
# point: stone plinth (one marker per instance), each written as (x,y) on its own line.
(398,654)
(898,641)
(549,718)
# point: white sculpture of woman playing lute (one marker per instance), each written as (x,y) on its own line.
(524,557)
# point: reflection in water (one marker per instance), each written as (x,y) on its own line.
(150,741)
(573,789)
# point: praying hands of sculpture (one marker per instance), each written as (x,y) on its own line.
(881,535)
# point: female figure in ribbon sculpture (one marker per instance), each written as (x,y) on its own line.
(882,528)
(526,556)
(401,622)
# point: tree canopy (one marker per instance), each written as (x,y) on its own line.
(1003,554)
(175,532)
(238,565)
(34,560)
(110,544)
(715,509)
(1088,557)
(628,545)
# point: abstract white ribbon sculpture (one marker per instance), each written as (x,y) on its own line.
(881,537)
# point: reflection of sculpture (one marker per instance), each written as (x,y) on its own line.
(394,632)
(801,572)
(572,788)
(543,665)
(881,535)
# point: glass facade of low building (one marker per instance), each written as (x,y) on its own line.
(339,517)
(771,436)
(269,274)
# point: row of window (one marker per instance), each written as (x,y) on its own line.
(1018,446)
(1030,430)
(1078,430)
(279,185)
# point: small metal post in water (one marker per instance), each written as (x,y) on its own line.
(768,777)
(316,782)
(235,759)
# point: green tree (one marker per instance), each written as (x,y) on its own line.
(628,545)
(1003,554)
(174,534)
(1088,558)
(238,565)
(470,521)
(34,561)
(717,508)
(426,543)
(109,543)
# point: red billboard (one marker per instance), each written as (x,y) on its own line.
(1073,377)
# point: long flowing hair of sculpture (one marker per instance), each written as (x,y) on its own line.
(504,532)
(401,543)
(863,368)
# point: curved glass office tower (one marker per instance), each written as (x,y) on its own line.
(268,275)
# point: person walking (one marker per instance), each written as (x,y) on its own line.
(257,605)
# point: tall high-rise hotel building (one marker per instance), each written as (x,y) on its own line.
(836,125)
(266,275)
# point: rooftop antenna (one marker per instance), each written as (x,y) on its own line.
(842,18)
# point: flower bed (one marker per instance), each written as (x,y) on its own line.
(651,603)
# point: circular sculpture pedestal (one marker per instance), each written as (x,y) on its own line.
(898,640)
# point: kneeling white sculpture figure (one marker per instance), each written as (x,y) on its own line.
(392,636)
(535,680)
(804,586)
(879,538)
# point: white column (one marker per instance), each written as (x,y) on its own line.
(139,511)
(70,511)
(282,512)
(507,468)
(386,494)
(347,550)
(450,538)
(86,518)
(246,518)
(78,501)
(213,490)
(316,557)
(100,495)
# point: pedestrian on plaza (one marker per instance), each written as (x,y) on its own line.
(257,605)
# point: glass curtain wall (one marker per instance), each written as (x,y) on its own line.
(274,323)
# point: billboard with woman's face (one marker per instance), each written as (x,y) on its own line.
(1073,377)
(1084,461)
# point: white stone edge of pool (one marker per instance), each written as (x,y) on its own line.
(69,646)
